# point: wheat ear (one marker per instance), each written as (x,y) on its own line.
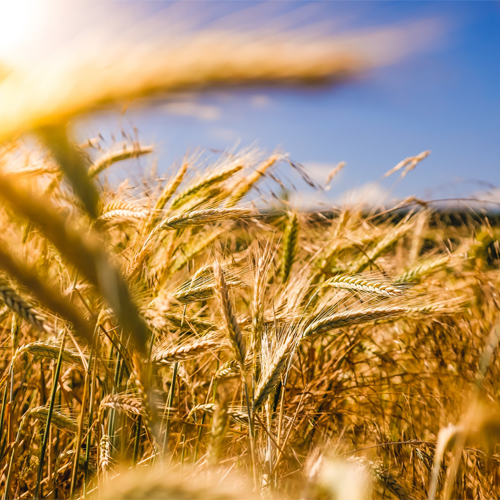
(60,420)
(186,351)
(123,402)
(385,478)
(117,216)
(228,369)
(363,285)
(201,217)
(348,318)
(123,210)
(236,415)
(24,310)
(159,316)
(207,181)
(391,483)
(269,383)
(271,373)
(120,153)
(164,197)
(44,350)
(104,453)
(425,268)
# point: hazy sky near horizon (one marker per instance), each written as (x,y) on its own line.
(444,97)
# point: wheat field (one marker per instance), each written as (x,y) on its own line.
(170,338)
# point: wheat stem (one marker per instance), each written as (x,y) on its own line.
(55,383)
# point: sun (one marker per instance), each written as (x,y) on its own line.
(18,23)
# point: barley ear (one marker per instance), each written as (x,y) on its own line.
(289,246)
(231,326)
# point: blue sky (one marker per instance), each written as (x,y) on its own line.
(444,98)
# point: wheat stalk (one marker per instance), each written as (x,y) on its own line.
(219,427)
(289,246)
